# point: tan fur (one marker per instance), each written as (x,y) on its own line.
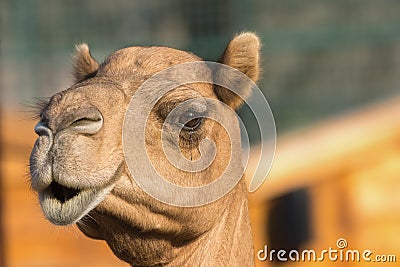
(138,228)
(83,63)
(242,53)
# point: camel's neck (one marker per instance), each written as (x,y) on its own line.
(229,243)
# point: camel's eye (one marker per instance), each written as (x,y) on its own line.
(191,121)
(87,125)
(83,122)
(185,117)
(193,124)
(87,121)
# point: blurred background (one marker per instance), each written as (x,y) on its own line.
(331,76)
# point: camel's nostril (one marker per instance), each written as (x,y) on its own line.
(41,129)
(63,193)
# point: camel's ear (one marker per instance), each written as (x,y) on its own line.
(243,54)
(83,63)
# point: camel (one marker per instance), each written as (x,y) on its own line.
(78,168)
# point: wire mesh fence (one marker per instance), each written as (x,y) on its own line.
(319,57)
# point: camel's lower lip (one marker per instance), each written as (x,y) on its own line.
(62,205)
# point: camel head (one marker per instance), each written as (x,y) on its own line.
(78,166)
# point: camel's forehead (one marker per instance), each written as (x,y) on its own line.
(95,93)
(143,61)
(126,68)
(131,67)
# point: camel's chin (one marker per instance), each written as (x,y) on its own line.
(70,209)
